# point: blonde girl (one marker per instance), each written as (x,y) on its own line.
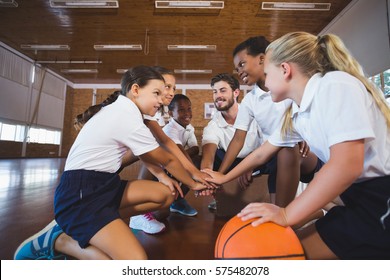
(344,119)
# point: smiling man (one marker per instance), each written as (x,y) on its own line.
(219,131)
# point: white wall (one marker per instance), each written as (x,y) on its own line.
(364,28)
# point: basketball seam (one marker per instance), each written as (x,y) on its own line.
(226,242)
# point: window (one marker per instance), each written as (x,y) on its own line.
(11,132)
(382,80)
(15,132)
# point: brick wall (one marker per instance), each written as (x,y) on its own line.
(77,101)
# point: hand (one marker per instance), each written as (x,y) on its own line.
(215,177)
(172,184)
(199,176)
(304,149)
(245,180)
(265,212)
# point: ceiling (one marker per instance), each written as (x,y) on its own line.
(139,22)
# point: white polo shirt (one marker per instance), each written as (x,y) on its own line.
(160,117)
(257,104)
(106,137)
(220,133)
(337,108)
(180,135)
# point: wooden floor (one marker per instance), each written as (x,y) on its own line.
(26,206)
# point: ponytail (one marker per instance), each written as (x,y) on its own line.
(82,118)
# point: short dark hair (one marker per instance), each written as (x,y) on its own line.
(232,81)
(176,99)
(253,45)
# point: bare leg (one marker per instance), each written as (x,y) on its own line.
(287,177)
(115,240)
(68,246)
(314,247)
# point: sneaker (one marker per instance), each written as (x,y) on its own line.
(181,206)
(147,223)
(212,206)
(40,246)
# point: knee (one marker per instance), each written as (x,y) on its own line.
(166,197)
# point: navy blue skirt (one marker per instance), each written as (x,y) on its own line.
(361,228)
(85,201)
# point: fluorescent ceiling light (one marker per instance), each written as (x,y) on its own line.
(193,71)
(69,61)
(117,47)
(8,4)
(45,47)
(84,4)
(121,71)
(70,71)
(290,6)
(190,4)
(192,47)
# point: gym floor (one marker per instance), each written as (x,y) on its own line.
(26,206)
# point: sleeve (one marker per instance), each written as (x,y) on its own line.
(173,133)
(245,114)
(139,138)
(192,141)
(278,140)
(346,118)
(209,134)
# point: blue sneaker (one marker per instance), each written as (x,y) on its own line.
(40,246)
(182,207)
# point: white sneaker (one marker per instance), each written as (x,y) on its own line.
(147,223)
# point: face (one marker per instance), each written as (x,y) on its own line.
(148,98)
(249,68)
(182,113)
(223,96)
(170,88)
(275,80)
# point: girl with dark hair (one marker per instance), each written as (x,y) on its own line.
(91,201)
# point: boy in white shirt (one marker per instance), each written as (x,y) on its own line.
(182,133)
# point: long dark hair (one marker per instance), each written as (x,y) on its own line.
(139,75)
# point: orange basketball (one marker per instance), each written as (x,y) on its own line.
(240,240)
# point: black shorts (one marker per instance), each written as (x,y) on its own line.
(85,201)
(306,178)
(361,228)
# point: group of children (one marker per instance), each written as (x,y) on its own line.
(312,111)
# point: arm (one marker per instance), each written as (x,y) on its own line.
(193,151)
(208,155)
(172,164)
(343,168)
(258,157)
(162,177)
(234,148)
(171,146)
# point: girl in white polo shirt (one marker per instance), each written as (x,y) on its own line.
(346,122)
(91,201)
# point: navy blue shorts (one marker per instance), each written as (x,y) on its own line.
(85,201)
(361,228)
(306,178)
